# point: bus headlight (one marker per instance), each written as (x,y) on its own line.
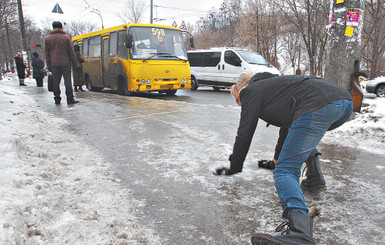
(148,81)
(182,81)
(143,81)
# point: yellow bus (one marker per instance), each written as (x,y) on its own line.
(134,58)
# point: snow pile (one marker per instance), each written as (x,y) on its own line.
(366,131)
(53,189)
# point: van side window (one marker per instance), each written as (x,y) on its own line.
(195,59)
(212,58)
(232,58)
(203,59)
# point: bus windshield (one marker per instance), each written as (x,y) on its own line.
(157,44)
(253,58)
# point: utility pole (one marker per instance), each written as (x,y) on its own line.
(345,26)
(151,11)
(256,12)
(22,31)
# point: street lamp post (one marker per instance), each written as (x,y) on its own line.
(96,11)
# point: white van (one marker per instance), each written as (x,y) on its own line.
(221,67)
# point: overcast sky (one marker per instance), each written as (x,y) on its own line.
(170,10)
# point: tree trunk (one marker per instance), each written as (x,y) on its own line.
(345,31)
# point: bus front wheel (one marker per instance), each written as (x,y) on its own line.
(171,92)
(122,88)
(194,83)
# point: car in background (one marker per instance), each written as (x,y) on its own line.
(376,86)
(220,67)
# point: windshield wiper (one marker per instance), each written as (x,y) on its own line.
(155,54)
(164,55)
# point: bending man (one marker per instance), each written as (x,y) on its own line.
(309,106)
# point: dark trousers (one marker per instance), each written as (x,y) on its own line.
(57,73)
(39,81)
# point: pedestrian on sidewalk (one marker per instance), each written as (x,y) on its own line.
(20,67)
(309,106)
(78,70)
(37,69)
(60,54)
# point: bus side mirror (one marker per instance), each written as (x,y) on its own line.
(128,41)
(191,42)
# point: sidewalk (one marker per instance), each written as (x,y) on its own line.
(53,189)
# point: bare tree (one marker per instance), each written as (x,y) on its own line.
(259,28)
(8,31)
(133,12)
(75,28)
(219,26)
(309,18)
(374,37)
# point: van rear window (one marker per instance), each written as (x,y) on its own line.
(202,59)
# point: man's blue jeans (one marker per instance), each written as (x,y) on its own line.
(301,142)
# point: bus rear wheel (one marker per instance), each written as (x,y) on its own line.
(90,87)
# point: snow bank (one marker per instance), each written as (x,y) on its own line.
(366,131)
(53,190)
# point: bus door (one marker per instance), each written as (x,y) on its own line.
(105,61)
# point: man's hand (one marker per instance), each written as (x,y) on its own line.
(222,171)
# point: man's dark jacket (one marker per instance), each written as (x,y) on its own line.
(59,50)
(279,100)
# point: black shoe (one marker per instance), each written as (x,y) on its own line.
(314,177)
(72,102)
(57,102)
(23,85)
(300,231)
(269,164)
(81,89)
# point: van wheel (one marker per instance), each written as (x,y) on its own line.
(194,83)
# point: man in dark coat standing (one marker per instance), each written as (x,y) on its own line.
(20,67)
(60,54)
(308,106)
(37,66)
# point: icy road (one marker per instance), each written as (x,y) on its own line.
(163,149)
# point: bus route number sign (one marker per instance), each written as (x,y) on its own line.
(158,32)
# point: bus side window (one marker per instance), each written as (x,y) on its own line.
(85,48)
(122,50)
(113,43)
(95,47)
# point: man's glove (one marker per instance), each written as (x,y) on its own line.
(222,171)
(269,164)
